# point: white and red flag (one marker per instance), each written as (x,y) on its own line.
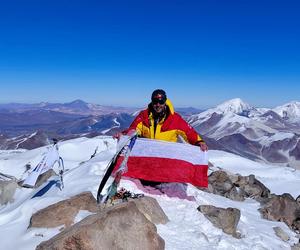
(162,161)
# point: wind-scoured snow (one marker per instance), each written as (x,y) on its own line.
(187,229)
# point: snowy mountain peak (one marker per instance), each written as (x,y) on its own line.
(43,104)
(77,102)
(236,106)
(289,110)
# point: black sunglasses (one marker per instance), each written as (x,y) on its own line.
(160,101)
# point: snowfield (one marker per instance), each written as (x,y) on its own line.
(187,229)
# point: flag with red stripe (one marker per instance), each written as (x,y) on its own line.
(162,161)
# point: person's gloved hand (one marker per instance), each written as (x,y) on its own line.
(202,145)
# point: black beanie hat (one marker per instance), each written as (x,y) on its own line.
(159,94)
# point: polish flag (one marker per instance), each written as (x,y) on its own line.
(162,161)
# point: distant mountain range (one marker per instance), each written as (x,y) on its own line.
(33,125)
(262,134)
(271,135)
(77,107)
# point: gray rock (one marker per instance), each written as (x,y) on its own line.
(252,187)
(282,208)
(219,182)
(296,247)
(233,177)
(63,212)
(236,194)
(41,179)
(298,199)
(236,187)
(44,177)
(151,209)
(121,226)
(148,206)
(296,224)
(225,219)
(7,191)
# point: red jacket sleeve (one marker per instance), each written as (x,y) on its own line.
(136,121)
(191,135)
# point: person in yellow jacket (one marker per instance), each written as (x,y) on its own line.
(160,121)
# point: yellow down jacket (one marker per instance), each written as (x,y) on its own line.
(168,129)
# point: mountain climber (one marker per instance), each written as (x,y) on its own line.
(160,121)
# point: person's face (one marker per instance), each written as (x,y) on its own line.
(158,105)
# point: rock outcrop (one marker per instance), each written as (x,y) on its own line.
(64,212)
(236,187)
(41,179)
(273,207)
(150,208)
(251,187)
(282,208)
(44,177)
(122,226)
(226,219)
(7,191)
(296,247)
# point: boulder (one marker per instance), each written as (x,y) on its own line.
(219,182)
(40,180)
(44,177)
(282,208)
(226,219)
(7,191)
(296,224)
(252,187)
(64,212)
(121,226)
(236,187)
(151,209)
(296,247)
(298,199)
(148,206)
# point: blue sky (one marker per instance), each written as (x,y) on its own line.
(117,52)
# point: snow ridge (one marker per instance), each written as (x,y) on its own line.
(187,229)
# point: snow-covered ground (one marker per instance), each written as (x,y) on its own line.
(187,228)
